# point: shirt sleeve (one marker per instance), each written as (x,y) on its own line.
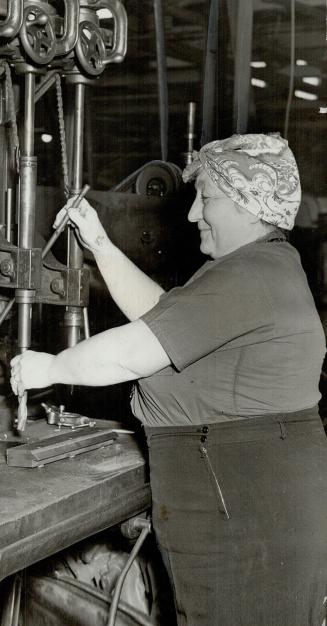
(225,305)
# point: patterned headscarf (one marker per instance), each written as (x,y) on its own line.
(258,172)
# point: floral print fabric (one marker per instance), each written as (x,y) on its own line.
(257,171)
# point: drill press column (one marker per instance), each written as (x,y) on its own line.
(26,220)
(74,315)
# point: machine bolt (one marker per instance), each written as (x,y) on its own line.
(57,286)
(7,268)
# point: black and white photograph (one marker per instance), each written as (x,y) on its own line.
(163,312)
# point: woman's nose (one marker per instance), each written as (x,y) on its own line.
(195,212)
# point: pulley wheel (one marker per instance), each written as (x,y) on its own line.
(90,48)
(158,180)
(37,35)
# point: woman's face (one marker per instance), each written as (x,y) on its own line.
(218,217)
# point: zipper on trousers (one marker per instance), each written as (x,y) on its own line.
(205,456)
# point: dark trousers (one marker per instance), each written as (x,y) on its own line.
(240,515)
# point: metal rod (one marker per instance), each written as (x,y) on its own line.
(45,84)
(11,606)
(7,310)
(162,77)
(86,323)
(115,599)
(28,139)
(9,213)
(74,317)
(64,222)
(242,72)
(77,174)
(210,110)
(26,229)
(190,132)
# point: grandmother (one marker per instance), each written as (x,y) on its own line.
(227,368)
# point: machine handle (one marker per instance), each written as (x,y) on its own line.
(68,40)
(62,225)
(118,52)
(12,24)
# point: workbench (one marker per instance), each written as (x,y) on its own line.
(47,509)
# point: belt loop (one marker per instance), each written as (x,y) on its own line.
(283,431)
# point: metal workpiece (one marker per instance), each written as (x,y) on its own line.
(57,447)
(57,416)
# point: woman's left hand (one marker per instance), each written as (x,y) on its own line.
(31,370)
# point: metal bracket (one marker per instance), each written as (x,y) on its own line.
(64,286)
(19,268)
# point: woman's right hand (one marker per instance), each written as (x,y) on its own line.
(89,228)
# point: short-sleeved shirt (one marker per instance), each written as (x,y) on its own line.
(244,339)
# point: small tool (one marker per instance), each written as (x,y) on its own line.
(61,226)
(21,412)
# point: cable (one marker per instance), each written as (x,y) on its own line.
(210,90)
(124,607)
(126,182)
(292,69)
(115,598)
(162,77)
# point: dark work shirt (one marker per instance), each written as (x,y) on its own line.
(244,339)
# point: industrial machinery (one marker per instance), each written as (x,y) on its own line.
(63,45)
(43,43)
(39,46)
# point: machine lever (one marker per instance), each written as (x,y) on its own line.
(61,226)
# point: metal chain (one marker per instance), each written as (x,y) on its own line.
(63,145)
(10,105)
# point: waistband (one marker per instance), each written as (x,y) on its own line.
(280,424)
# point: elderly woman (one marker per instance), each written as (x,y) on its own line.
(228,368)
